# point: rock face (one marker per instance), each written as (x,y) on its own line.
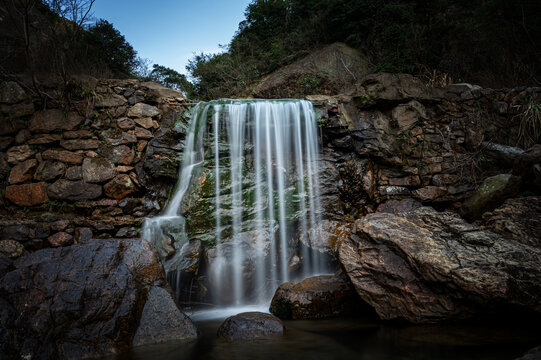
(251,326)
(425,267)
(98,170)
(517,219)
(73,316)
(316,297)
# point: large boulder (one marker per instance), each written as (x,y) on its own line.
(54,312)
(517,219)
(251,326)
(49,120)
(425,266)
(316,297)
(27,194)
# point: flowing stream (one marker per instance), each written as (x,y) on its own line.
(254,165)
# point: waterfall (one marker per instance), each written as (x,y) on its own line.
(249,170)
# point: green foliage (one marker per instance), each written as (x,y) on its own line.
(171,78)
(111,47)
(412,36)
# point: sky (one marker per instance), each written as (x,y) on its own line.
(169,32)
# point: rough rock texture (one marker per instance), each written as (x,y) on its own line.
(49,170)
(22,171)
(492,192)
(162,321)
(120,187)
(251,326)
(73,190)
(398,206)
(11,248)
(27,194)
(72,316)
(517,219)
(49,120)
(98,170)
(316,297)
(533,354)
(426,267)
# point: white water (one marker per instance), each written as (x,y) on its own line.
(274,143)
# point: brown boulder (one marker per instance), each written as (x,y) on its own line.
(517,219)
(125,123)
(63,156)
(19,153)
(73,190)
(80,144)
(98,170)
(60,239)
(121,155)
(49,120)
(11,248)
(145,122)
(143,133)
(143,110)
(27,194)
(23,171)
(45,139)
(425,267)
(251,326)
(316,297)
(120,187)
(50,170)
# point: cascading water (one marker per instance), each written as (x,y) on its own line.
(257,163)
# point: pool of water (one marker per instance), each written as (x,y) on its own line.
(356,338)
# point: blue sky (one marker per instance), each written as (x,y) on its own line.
(168,32)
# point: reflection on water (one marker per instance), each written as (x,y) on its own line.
(352,338)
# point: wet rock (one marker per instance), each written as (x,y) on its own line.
(121,155)
(27,194)
(251,326)
(19,153)
(98,170)
(490,194)
(74,316)
(398,206)
(45,139)
(63,156)
(22,171)
(11,249)
(507,155)
(327,235)
(73,190)
(517,219)
(314,298)
(425,267)
(187,259)
(49,120)
(11,93)
(120,187)
(49,170)
(162,321)
(60,239)
(80,144)
(141,110)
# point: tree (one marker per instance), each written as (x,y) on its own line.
(171,78)
(111,46)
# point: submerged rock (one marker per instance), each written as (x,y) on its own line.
(52,311)
(251,326)
(425,267)
(316,297)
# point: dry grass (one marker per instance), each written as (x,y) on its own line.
(529,132)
